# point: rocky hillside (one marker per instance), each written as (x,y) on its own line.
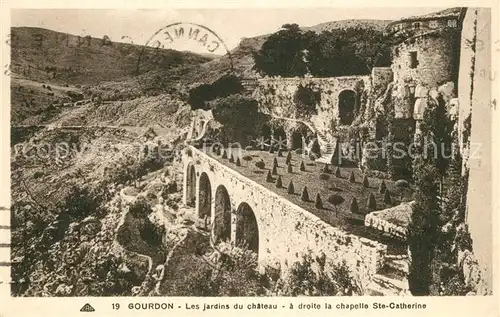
(43,55)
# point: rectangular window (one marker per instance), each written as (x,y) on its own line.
(413,60)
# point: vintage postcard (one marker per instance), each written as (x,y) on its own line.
(279,158)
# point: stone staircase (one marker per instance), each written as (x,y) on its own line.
(327,148)
(391,280)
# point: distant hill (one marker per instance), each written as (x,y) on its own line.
(242,55)
(378,25)
(118,71)
(40,54)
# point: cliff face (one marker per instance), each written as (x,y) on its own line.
(478,104)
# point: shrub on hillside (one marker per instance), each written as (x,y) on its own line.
(303,280)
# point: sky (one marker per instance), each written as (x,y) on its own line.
(231,25)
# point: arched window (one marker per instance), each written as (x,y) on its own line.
(347,103)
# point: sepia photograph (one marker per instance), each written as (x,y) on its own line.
(250,152)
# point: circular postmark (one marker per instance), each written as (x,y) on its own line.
(159,63)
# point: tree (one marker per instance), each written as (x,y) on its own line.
(260,164)
(402,185)
(269,177)
(315,148)
(352,179)
(275,170)
(387,197)
(317,202)
(302,166)
(372,202)
(336,200)
(325,169)
(423,227)
(366,184)
(306,100)
(282,54)
(290,188)
(382,187)
(325,178)
(247,158)
(436,130)
(222,87)
(279,182)
(239,116)
(337,172)
(354,208)
(305,194)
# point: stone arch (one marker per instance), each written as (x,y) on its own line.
(204,196)
(222,215)
(296,140)
(191,185)
(247,229)
(265,131)
(347,106)
(279,134)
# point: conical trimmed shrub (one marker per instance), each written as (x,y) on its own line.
(279,182)
(269,177)
(337,172)
(305,194)
(224,154)
(218,151)
(387,197)
(275,170)
(352,179)
(372,202)
(318,203)
(302,166)
(279,153)
(354,208)
(288,158)
(275,162)
(290,189)
(325,169)
(231,159)
(289,168)
(238,162)
(366,184)
(382,187)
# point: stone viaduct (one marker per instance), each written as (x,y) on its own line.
(279,231)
